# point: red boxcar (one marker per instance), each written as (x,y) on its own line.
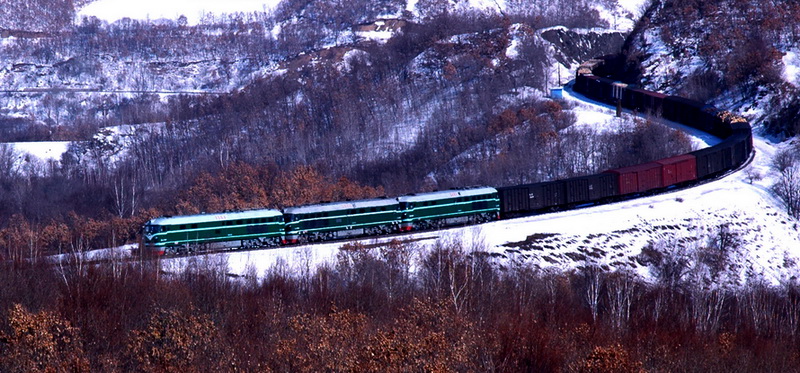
(639,178)
(678,169)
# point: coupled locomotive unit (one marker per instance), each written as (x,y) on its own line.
(319,222)
(244,229)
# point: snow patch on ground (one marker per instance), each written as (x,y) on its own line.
(496,5)
(346,65)
(511,51)
(120,252)
(377,36)
(791,67)
(42,150)
(35,158)
(635,7)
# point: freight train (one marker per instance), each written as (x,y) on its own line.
(336,220)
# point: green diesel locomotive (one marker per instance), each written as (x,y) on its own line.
(319,222)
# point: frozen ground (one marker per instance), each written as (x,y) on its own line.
(610,236)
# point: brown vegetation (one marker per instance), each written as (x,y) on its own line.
(237,187)
(368,312)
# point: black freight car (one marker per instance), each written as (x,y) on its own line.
(588,189)
(606,87)
(527,198)
(646,101)
(709,161)
(690,113)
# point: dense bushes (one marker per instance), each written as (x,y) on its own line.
(239,186)
(738,42)
(386,309)
(722,50)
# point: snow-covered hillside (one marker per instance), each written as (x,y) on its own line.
(194,11)
(736,55)
(620,16)
(118,81)
(736,216)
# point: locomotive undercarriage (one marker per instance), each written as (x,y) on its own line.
(334,235)
(446,222)
(260,242)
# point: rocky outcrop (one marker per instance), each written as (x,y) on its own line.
(575,46)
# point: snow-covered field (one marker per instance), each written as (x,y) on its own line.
(611,236)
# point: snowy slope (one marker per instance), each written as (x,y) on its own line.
(194,10)
(611,236)
(683,222)
(34,158)
(42,150)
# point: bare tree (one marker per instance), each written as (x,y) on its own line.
(621,291)
(787,188)
(125,191)
(593,281)
(8,163)
(784,158)
(706,308)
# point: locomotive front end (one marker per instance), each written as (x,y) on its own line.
(153,240)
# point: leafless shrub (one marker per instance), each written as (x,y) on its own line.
(787,188)
(752,175)
(784,159)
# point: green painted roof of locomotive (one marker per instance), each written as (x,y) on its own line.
(338,206)
(445,194)
(222,216)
